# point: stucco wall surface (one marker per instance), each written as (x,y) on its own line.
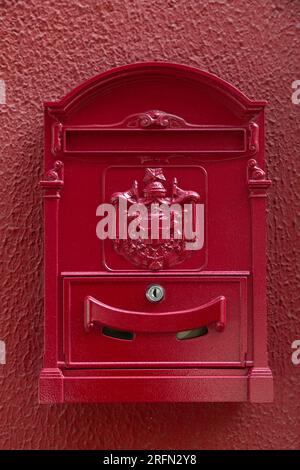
(47,48)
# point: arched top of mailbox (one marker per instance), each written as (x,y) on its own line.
(174,77)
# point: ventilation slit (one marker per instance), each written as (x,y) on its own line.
(127,335)
(189,334)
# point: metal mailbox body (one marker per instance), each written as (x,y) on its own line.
(175,133)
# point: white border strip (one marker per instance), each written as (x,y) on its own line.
(2,92)
(2,352)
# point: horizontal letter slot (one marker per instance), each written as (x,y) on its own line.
(220,140)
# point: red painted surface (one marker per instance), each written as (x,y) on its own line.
(211,137)
(44,55)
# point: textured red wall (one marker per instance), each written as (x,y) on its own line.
(47,48)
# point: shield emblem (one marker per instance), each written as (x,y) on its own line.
(155,237)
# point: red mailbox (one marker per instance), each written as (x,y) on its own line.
(155,240)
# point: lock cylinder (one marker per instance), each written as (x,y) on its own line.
(155,293)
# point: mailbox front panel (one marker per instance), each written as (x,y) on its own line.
(155,195)
(152,330)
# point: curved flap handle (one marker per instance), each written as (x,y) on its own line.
(98,313)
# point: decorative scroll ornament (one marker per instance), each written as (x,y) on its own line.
(57,136)
(55,174)
(53,181)
(155,119)
(253,138)
(154,253)
(255,172)
(257,180)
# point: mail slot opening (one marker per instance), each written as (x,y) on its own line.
(190,334)
(127,335)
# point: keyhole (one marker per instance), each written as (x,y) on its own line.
(155,293)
